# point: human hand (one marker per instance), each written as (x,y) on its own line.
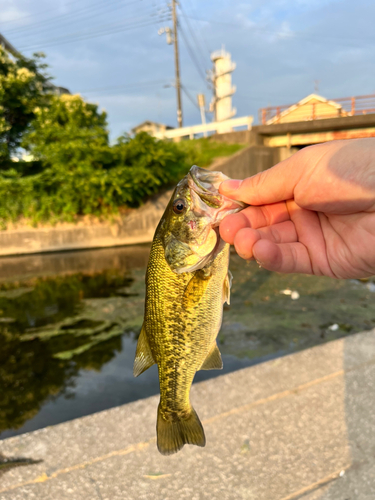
(313,213)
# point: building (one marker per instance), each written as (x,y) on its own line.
(9,47)
(223,88)
(152,128)
(312,107)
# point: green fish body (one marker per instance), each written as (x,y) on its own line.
(187,283)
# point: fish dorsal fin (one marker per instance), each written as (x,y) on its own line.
(143,356)
(195,289)
(227,286)
(213,360)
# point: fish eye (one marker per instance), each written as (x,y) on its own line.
(179,206)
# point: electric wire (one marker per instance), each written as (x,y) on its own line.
(198,46)
(209,49)
(144,15)
(295,34)
(63,17)
(98,28)
(17,19)
(188,95)
(88,35)
(125,86)
(192,56)
(46,31)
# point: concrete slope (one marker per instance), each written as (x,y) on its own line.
(298,427)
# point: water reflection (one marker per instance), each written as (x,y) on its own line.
(69,323)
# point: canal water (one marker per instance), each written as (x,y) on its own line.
(69,324)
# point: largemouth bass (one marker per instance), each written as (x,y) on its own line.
(187,283)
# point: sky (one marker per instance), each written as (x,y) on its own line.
(110,51)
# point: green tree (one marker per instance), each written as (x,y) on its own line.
(69,133)
(24,87)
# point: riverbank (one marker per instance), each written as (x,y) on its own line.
(301,426)
(136,227)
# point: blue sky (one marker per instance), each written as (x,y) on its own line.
(111,53)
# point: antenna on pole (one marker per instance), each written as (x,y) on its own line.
(202,104)
(172,37)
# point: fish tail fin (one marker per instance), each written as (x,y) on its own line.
(172,435)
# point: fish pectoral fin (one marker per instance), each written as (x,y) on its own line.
(227,286)
(213,360)
(143,356)
(195,289)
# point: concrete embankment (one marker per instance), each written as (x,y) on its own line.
(137,227)
(298,427)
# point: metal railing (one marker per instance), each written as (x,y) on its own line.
(346,106)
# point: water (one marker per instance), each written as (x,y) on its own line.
(69,324)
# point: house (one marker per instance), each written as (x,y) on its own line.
(312,107)
(151,128)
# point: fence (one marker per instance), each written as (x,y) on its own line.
(219,127)
(333,108)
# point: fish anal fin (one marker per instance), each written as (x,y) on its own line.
(213,360)
(226,287)
(143,356)
(172,435)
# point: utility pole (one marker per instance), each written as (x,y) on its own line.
(177,64)
(169,32)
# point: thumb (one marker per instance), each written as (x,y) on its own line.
(271,186)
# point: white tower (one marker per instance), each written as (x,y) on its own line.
(223,88)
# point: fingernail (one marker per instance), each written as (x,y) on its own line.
(230,185)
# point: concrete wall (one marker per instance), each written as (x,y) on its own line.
(138,227)
(239,137)
(247,162)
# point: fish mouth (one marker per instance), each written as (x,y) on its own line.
(204,186)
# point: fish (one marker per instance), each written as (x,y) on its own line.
(187,284)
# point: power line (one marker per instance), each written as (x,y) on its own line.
(192,56)
(17,19)
(96,28)
(88,35)
(209,49)
(125,86)
(144,16)
(192,33)
(63,17)
(315,38)
(189,97)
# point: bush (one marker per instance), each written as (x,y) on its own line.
(97,181)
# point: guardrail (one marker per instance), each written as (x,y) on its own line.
(219,127)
